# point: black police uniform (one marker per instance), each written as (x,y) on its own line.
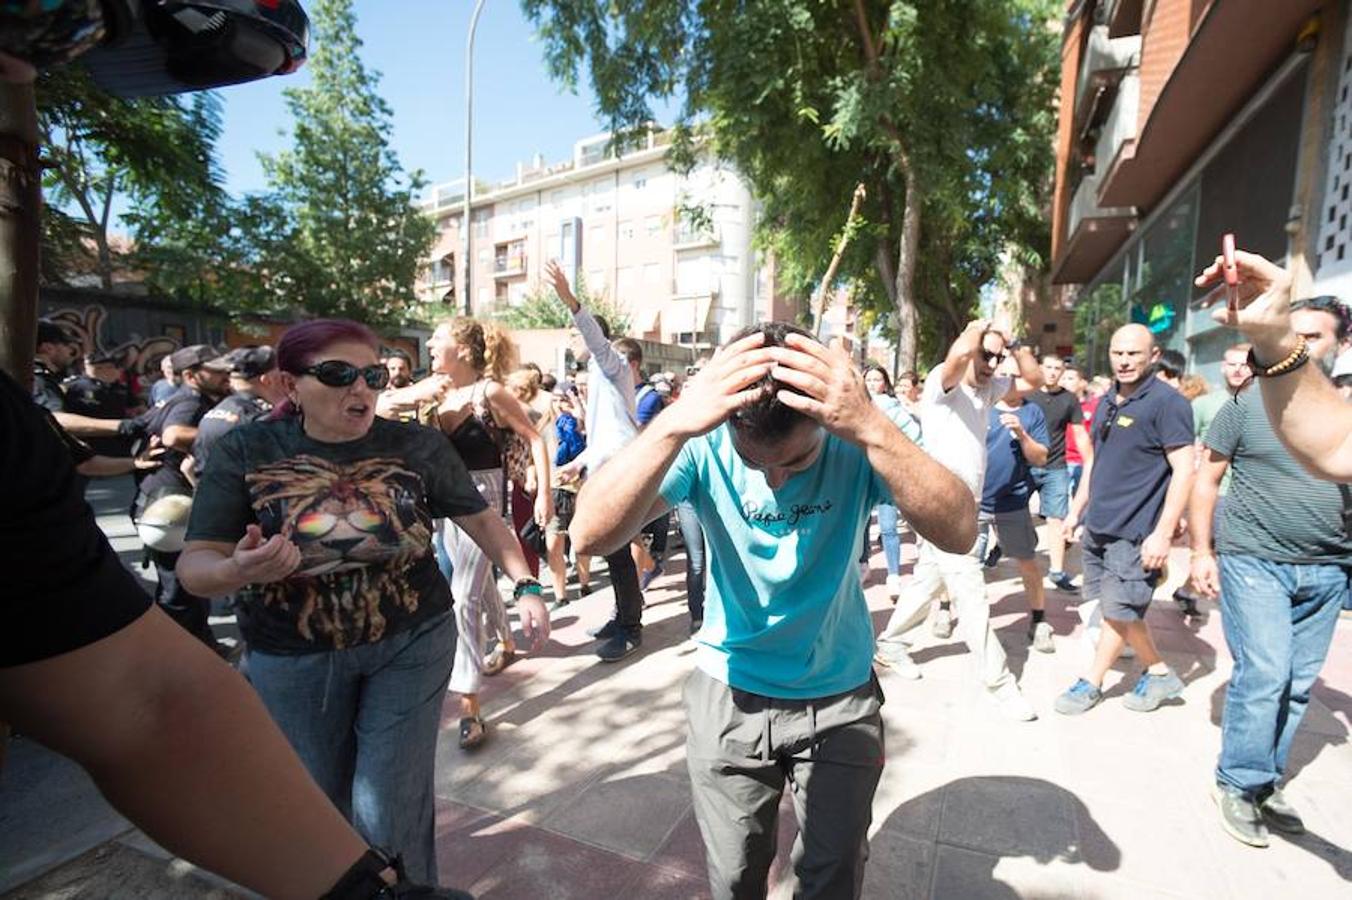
(88,396)
(240,408)
(47,391)
(186,407)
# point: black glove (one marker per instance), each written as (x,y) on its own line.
(363,882)
(130,428)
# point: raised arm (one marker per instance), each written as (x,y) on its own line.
(934,500)
(1029,377)
(598,346)
(1311,419)
(949,372)
(623,496)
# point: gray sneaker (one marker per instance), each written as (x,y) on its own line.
(1041,637)
(1080,698)
(1279,814)
(1152,690)
(1240,817)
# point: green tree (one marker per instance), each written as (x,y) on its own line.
(941,108)
(156,154)
(542,308)
(352,240)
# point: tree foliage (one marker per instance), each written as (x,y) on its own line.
(350,239)
(945,102)
(156,154)
(542,308)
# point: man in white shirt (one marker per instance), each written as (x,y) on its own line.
(954,412)
(612,422)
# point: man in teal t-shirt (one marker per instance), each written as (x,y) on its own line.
(781,451)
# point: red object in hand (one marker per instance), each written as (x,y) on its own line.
(1230,270)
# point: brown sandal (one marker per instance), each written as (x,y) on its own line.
(472,732)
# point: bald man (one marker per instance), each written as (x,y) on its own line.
(1132,494)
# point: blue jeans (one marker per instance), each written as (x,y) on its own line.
(888,522)
(1074,471)
(364,721)
(1279,620)
(693,537)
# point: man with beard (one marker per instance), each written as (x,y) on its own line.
(400,368)
(255,387)
(173,423)
(1284,556)
(99,393)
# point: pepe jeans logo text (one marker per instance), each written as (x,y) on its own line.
(790,516)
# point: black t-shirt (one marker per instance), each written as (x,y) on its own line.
(184,407)
(240,408)
(47,391)
(64,586)
(1061,410)
(361,513)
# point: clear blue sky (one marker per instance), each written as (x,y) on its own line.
(418,47)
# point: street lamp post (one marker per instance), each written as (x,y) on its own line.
(467,261)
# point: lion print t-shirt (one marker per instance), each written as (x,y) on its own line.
(361,513)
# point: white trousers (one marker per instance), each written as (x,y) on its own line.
(957,576)
(479,610)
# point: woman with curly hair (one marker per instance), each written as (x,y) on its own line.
(320,521)
(469,362)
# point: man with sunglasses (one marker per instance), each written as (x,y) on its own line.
(174,423)
(954,416)
(1132,495)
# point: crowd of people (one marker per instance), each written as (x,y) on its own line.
(361,520)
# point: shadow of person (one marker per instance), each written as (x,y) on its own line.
(950,842)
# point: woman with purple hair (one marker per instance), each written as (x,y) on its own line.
(320,519)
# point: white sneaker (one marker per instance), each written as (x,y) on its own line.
(1013,705)
(899,661)
(1042,638)
(894,586)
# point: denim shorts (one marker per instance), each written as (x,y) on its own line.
(1053,486)
(1113,574)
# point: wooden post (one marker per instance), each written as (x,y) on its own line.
(20,224)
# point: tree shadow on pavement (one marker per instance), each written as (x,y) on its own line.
(982,820)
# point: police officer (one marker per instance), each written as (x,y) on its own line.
(160,510)
(255,387)
(99,393)
(56,351)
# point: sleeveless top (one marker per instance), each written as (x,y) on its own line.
(478,439)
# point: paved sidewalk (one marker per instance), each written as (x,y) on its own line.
(581,791)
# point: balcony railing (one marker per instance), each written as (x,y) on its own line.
(1120,126)
(507,266)
(1084,205)
(688,236)
(1105,60)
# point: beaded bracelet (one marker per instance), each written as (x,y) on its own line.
(526,586)
(1297,358)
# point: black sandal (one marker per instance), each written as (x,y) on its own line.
(472,732)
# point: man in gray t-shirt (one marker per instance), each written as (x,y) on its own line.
(1282,577)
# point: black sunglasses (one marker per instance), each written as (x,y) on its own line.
(994,357)
(1106,425)
(338,374)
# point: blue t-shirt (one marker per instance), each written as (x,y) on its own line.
(1009,480)
(785,614)
(648,403)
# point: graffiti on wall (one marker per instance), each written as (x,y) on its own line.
(139,355)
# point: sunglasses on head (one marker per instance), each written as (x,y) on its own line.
(338,374)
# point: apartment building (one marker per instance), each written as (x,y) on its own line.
(674,250)
(1181,120)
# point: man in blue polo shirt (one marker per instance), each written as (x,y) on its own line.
(783,454)
(1132,496)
